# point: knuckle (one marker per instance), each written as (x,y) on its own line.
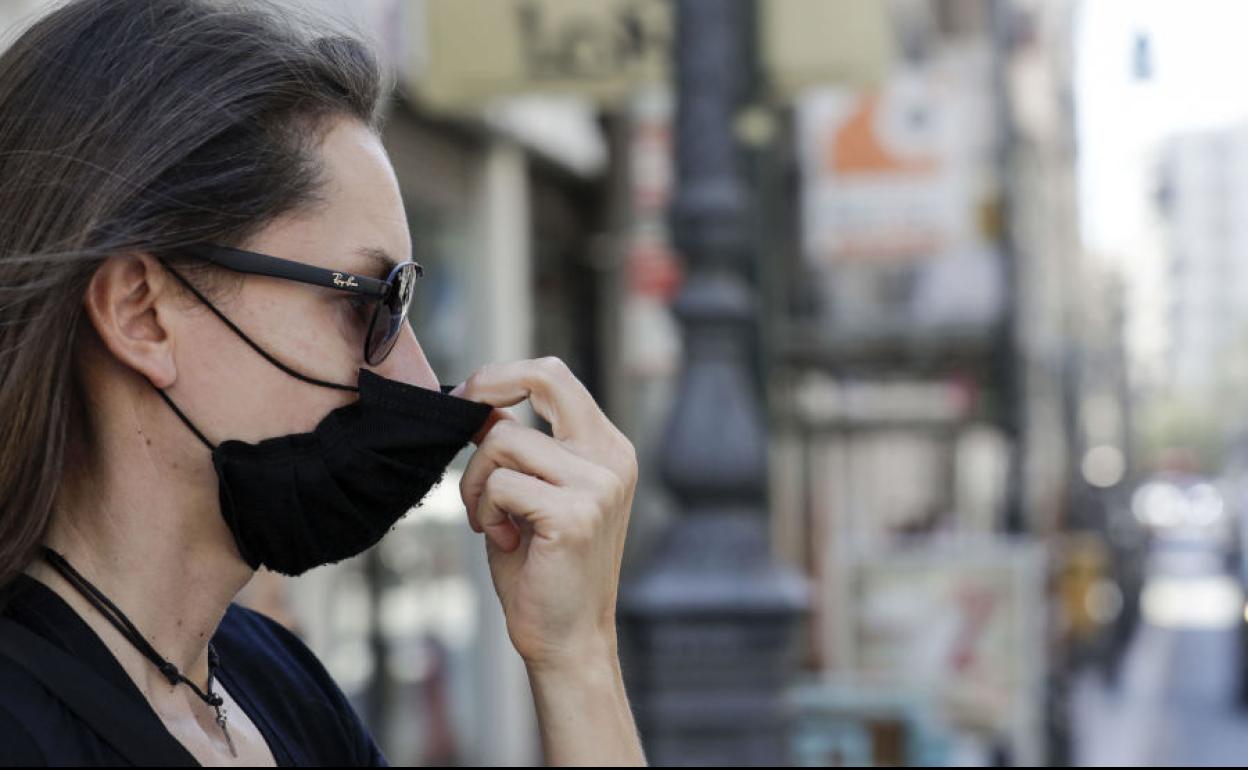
(603,484)
(624,461)
(480,376)
(492,481)
(554,366)
(492,487)
(629,452)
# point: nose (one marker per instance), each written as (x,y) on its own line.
(407,362)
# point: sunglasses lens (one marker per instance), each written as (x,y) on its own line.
(391,313)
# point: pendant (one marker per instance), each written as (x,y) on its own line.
(230,741)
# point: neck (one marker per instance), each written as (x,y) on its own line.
(148,534)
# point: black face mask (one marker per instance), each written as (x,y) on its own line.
(302,500)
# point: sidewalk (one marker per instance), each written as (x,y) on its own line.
(1175,705)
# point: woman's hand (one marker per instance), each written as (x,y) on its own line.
(555,513)
(554,510)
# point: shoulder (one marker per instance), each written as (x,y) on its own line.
(31,717)
(260,649)
(245,629)
(18,746)
(253,640)
(264,651)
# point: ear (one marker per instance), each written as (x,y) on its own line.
(127,303)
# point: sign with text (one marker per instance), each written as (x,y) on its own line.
(467,52)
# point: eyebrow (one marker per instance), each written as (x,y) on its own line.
(380,262)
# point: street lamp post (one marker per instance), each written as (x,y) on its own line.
(708,624)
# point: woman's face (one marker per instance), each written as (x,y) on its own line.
(316,331)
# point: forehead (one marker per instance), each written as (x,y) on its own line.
(360,217)
(357,165)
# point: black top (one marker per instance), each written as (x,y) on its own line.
(281,685)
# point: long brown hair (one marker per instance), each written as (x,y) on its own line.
(140,125)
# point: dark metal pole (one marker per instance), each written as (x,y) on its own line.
(1007,351)
(709,623)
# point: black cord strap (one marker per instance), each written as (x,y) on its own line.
(185,419)
(267,356)
(115,616)
(127,629)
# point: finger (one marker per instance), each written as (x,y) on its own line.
(556,394)
(528,450)
(560,398)
(495,417)
(508,491)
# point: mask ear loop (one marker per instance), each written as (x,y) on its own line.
(254,346)
(185,419)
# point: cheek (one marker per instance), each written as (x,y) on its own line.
(260,401)
(351,321)
(251,398)
(305,406)
(314,332)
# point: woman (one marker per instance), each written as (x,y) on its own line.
(205,368)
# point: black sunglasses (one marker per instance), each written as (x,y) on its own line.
(390,299)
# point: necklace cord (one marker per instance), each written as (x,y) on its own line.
(127,629)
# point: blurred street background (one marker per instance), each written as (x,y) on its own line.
(929,322)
